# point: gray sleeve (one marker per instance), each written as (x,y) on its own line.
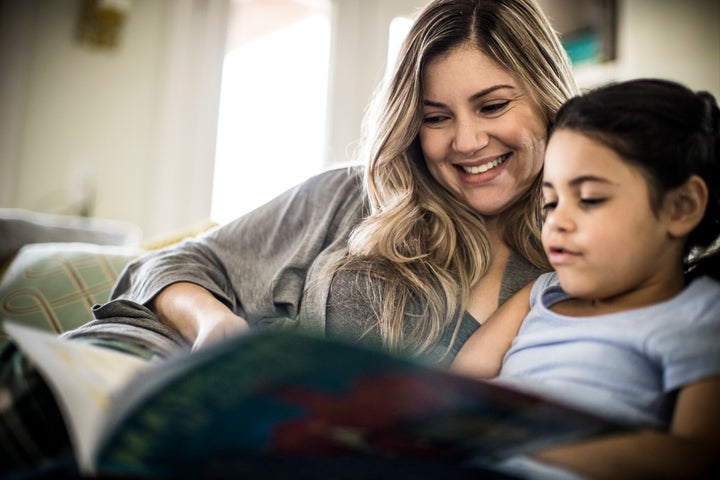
(258,264)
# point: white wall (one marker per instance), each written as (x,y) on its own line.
(130,132)
(667,39)
(139,123)
(358,58)
(678,40)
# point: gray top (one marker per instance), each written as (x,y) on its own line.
(268,267)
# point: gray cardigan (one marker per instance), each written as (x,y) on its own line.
(268,267)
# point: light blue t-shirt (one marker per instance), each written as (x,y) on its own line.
(627,366)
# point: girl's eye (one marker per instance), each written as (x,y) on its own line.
(547,206)
(494,107)
(591,202)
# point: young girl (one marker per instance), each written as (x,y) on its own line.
(628,325)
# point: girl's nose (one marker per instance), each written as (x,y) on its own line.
(470,137)
(559,219)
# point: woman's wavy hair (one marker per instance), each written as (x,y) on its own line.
(669,133)
(426,246)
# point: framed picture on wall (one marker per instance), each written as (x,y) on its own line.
(587,28)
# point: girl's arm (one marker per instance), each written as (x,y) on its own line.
(196,314)
(689,450)
(482,354)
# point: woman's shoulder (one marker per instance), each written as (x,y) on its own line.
(347,178)
(518,273)
(334,195)
(331,190)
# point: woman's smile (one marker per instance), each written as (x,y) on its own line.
(491,166)
(482,136)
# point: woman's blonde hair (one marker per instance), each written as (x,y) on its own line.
(424,245)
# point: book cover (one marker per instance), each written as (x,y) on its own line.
(284,395)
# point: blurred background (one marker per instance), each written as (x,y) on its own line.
(166,113)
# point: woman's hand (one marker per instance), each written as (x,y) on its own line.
(196,314)
(218,327)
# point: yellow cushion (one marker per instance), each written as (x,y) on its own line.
(169,239)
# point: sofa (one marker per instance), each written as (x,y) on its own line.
(54,268)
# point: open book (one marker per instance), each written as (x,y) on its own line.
(284,395)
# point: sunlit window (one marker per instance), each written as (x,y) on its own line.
(272,108)
(399,28)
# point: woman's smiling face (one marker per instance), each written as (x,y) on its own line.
(482,135)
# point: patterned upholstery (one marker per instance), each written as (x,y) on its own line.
(54,285)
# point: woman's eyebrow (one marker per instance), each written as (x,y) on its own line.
(473,97)
(488,91)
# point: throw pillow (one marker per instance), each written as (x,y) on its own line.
(53,286)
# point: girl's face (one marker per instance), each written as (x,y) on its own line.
(600,232)
(482,136)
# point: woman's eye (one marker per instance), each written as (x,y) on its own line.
(434,119)
(494,107)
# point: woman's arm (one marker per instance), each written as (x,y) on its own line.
(266,266)
(482,354)
(689,450)
(196,314)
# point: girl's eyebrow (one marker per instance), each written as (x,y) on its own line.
(580,180)
(475,96)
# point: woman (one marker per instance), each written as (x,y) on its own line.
(411,253)
(444,230)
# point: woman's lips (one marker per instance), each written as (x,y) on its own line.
(484,167)
(485,171)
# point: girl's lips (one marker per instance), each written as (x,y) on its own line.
(560,256)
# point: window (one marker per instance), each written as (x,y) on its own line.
(399,28)
(271,123)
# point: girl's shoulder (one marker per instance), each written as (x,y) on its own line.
(544,282)
(702,292)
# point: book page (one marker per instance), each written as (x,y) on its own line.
(83,378)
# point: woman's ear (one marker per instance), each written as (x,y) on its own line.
(685,206)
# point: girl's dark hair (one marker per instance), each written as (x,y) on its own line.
(670,133)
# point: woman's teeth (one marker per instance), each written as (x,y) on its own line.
(485,166)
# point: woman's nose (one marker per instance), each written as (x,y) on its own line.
(470,136)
